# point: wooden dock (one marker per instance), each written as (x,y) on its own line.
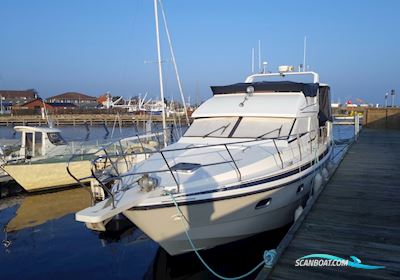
(90,119)
(356,214)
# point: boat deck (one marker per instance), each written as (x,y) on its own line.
(356,214)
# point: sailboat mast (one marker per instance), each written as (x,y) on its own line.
(174,62)
(164,121)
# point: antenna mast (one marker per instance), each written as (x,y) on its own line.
(304,54)
(252,60)
(259,55)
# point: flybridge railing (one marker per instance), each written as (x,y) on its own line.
(117,176)
(251,78)
(111,153)
(169,168)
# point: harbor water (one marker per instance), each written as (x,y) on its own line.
(41,239)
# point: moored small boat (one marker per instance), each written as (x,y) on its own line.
(41,161)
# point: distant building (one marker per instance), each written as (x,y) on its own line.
(15,97)
(76,98)
(37,105)
(108,101)
(5,107)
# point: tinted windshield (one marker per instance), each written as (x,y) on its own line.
(55,138)
(240,127)
(211,127)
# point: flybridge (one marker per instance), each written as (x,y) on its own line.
(308,89)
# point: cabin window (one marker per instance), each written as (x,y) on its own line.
(243,127)
(38,143)
(55,138)
(258,127)
(211,127)
(28,143)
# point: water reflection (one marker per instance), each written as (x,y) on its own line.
(37,209)
(117,229)
(47,242)
(43,227)
(229,260)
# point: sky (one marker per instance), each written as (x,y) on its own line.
(94,46)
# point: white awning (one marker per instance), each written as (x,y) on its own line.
(35,129)
(286,105)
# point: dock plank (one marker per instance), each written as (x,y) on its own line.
(357,214)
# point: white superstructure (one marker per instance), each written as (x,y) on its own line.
(243,167)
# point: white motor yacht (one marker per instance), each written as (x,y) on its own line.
(243,167)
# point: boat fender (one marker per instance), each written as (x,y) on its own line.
(317,182)
(298,212)
(330,167)
(310,197)
(269,257)
(325,175)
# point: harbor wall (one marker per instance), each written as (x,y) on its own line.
(90,119)
(387,118)
(383,118)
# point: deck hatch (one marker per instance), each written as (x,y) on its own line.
(186,167)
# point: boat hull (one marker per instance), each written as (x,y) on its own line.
(44,176)
(4,177)
(221,221)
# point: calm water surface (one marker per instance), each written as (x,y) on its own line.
(43,241)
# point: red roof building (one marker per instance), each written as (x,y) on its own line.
(79,99)
(16,97)
(37,104)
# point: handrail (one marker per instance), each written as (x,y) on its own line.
(110,193)
(141,145)
(234,162)
(279,153)
(160,170)
(212,145)
(122,152)
(298,144)
(79,181)
(185,148)
(94,161)
(111,162)
(169,169)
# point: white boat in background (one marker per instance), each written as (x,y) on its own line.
(41,160)
(4,177)
(7,147)
(39,163)
(245,165)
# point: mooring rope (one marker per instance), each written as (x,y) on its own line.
(268,256)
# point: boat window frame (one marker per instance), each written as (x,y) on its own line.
(58,142)
(236,125)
